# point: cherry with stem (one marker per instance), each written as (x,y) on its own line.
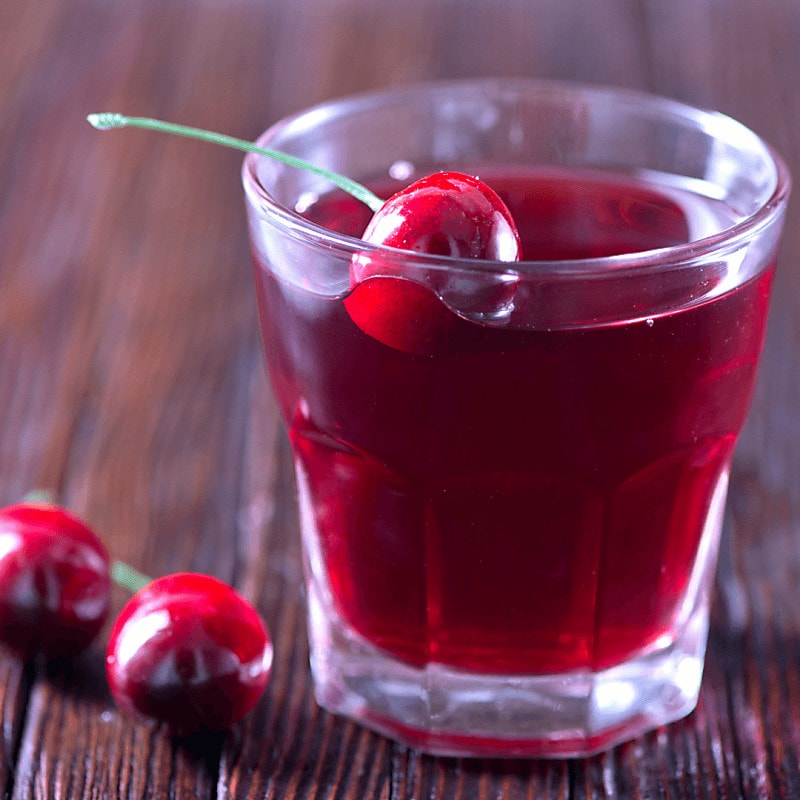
(444,214)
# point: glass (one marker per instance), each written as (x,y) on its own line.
(512,476)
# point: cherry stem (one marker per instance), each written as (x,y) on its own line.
(127,577)
(107,120)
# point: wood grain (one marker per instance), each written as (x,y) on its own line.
(132,382)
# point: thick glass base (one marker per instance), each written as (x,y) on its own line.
(449,712)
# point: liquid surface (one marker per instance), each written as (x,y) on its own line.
(514,500)
(565,215)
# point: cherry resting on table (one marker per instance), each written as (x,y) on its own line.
(54,581)
(190,652)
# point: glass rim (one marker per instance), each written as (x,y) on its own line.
(665,258)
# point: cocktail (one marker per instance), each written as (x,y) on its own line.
(512,476)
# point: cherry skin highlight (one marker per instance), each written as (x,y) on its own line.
(54,581)
(189,652)
(444,214)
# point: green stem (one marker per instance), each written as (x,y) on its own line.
(127,577)
(107,120)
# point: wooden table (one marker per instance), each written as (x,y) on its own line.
(132,384)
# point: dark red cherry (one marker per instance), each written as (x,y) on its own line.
(444,214)
(54,581)
(189,652)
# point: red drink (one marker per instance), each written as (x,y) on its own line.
(512,475)
(517,499)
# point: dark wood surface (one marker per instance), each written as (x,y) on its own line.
(132,383)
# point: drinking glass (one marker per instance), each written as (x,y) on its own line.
(512,476)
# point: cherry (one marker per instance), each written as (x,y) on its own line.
(443,214)
(189,652)
(54,581)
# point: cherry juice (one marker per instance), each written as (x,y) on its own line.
(512,497)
